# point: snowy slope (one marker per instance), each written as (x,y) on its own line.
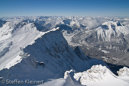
(123,71)
(13,39)
(124,74)
(110,29)
(66,81)
(107,31)
(98,75)
(47,54)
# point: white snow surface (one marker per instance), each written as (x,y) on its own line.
(61,82)
(15,40)
(124,74)
(98,75)
(123,71)
(106,34)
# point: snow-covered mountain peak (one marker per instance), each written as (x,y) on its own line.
(45,53)
(74,22)
(109,23)
(99,75)
(123,71)
(96,73)
(16,35)
(98,68)
(107,31)
(6,30)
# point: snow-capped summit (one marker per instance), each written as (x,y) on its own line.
(123,71)
(96,73)
(14,36)
(107,35)
(99,75)
(45,53)
(124,74)
(107,31)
